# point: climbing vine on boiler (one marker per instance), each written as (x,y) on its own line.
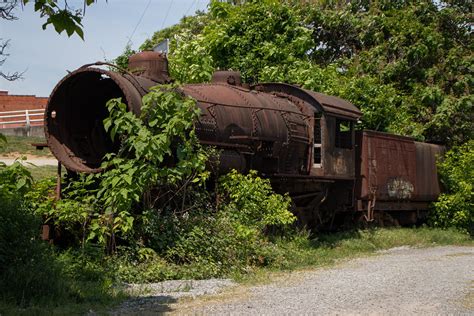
(158,149)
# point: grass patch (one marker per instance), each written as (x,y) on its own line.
(22,145)
(295,253)
(42,172)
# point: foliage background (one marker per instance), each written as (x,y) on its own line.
(406,64)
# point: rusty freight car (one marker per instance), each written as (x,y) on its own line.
(395,174)
(304,141)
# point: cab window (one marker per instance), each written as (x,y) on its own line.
(317,142)
(343,137)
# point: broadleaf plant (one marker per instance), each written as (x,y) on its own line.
(159,148)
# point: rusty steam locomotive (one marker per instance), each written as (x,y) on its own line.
(303,141)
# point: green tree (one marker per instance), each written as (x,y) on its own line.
(60,15)
(455,207)
(406,64)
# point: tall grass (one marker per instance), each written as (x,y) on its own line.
(299,251)
(35,277)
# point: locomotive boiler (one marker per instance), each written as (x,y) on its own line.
(303,141)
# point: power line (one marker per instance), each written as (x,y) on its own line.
(189,9)
(138,23)
(167,12)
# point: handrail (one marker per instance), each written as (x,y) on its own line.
(21,111)
(30,116)
(20,115)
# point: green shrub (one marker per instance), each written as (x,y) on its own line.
(251,202)
(15,181)
(456,206)
(32,272)
(236,236)
(27,271)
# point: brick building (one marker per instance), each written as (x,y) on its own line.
(20,102)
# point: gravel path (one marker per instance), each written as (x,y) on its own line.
(398,281)
(156,297)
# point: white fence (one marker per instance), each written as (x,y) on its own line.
(22,118)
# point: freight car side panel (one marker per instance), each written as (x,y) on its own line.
(387,167)
(427,182)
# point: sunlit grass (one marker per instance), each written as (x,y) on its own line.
(22,145)
(42,172)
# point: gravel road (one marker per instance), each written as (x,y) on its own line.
(399,281)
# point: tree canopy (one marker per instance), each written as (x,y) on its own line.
(406,64)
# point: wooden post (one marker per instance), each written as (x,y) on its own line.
(58,182)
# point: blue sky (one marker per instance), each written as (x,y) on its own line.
(46,56)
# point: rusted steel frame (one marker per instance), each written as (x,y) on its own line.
(300,176)
(247,137)
(291,91)
(304,196)
(39,146)
(220,144)
(253,107)
(394,206)
(300,139)
(254,121)
(369,217)
(319,198)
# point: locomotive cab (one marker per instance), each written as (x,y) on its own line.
(331,122)
(333,151)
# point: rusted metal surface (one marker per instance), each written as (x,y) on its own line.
(272,128)
(395,168)
(427,182)
(336,162)
(150,65)
(258,130)
(320,102)
(336,106)
(388,169)
(75,112)
(227,77)
(39,146)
